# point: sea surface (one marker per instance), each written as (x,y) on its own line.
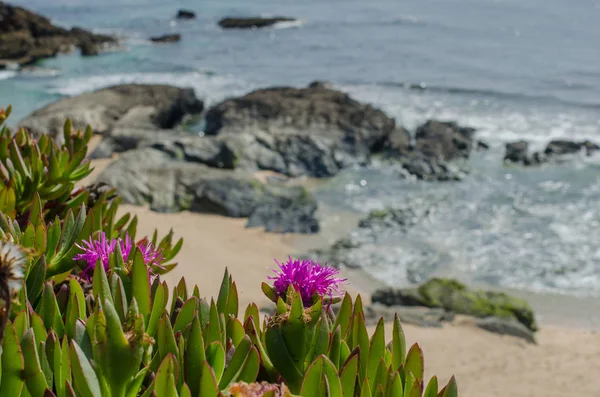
(513,69)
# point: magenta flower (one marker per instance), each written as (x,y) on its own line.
(100,249)
(308,277)
(152,255)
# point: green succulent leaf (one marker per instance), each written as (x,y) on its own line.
(34,377)
(85,379)
(432,388)
(13,363)
(215,356)
(398,344)
(141,284)
(414,362)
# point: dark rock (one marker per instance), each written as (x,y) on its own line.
(518,153)
(158,177)
(251,23)
(482,146)
(419,316)
(185,14)
(506,327)
(454,296)
(26,37)
(399,143)
(555,152)
(147,107)
(444,140)
(167,38)
(312,131)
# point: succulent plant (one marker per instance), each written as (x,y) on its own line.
(86,313)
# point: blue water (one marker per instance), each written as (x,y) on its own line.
(514,69)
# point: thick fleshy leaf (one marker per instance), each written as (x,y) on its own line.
(451,389)
(166,339)
(85,379)
(33,375)
(344,316)
(215,356)
(376,351)
(186,314)
(348,376)
(12,364)
(194,356)
(141,285)
(236,363)
(159,306)
(281,359)
(208,382)
(432,388)
(398,344)
(165,381)
(414,362)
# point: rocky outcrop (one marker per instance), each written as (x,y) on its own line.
(419,316)
(456,297)
(438,152)
(556,151)
(159,178)
(504,326)
(251,23)
(185,14)
(392,217)
(167,38)
(26,37)
(131,106)
(300,131)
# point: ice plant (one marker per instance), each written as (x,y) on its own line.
(152,255)
(100,249)
(307,277)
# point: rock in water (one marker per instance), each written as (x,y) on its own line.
(456,297)
(444,140)
(251,23)
(167,38)
(26,37)
(299,131)
(555,152)
(148,107)
(185,14)
(161,179)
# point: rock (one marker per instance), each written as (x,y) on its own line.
(436,147)
(391,217)
(454,296)
(506,327)
(147,107)
(167,38)
(185,14)
(444,140)
(482,146)
(556,151)
(517,152)
(26,37)
(251,23)
(159,178)
(309,131)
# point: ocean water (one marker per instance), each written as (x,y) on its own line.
(513,69)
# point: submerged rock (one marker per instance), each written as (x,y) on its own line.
(185,14)
(555,152)
(251,23)
(133,106)
(456,297)
(26,37)
(391,217)
(150,176)
(167,38)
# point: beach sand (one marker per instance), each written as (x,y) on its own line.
(563,363)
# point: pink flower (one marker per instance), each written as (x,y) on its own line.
(152,255)
(308,277)
(100,249)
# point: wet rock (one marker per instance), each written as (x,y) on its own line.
(456,297)
(167,38)
(555,152)
(133,106)
(391,217)
(444,140)
(309,131)
(517,152)
(159,178)
(482,146)
(251,23)
(506,327)
(419,316)
(26,37)
(185,14)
